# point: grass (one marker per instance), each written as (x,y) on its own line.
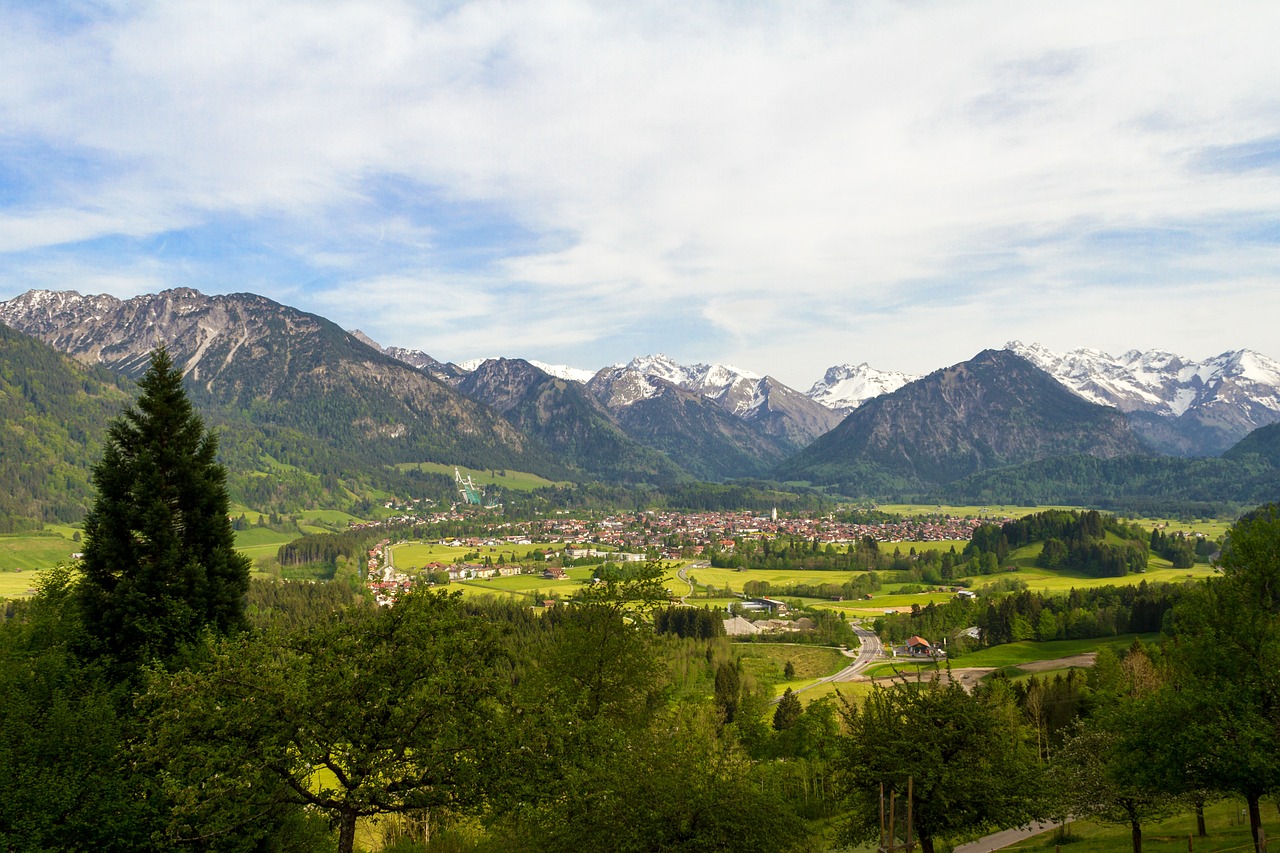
(1043,580)
(415,555)
(1014,654)
(770,659)
(1166,836)
(508,479)
(987,510)
(257,542)
(37,550)
(18,584)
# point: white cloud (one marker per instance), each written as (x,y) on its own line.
(939,172)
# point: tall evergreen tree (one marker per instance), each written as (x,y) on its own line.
(159,555)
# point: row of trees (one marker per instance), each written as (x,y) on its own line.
(1026,615)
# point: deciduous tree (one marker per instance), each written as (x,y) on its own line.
(969,760)
(379,710)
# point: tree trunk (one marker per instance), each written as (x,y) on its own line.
(1137,836)
(1200,830)
(926,844)
(1255,818)
(347,833)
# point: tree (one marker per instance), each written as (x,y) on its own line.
(676,784)
(1227,717)
(159,563)
(1099,773)
(373,711)
(788,711)
(971,767)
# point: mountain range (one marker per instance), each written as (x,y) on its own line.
(309,411)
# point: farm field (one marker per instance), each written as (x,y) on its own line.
(259,542)
(1043,580)
(508,479)
(993,511)
(19,584)
(854,691)
(37,550)
(415,555)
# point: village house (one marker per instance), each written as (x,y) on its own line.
(920,647)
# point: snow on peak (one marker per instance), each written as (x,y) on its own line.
(1159,381)
(845,386)
(564,371)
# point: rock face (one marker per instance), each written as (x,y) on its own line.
(569,420)
(1178,406)
(996,409)
(282,367)
(694,431)
(773,409)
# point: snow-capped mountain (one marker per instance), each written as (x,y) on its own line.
(559,371)
(1179,405)
(845,387)
(735,389)
(564,371)
(774,408)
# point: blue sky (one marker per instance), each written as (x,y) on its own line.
(779,186)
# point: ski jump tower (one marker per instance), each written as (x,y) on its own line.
(470,492)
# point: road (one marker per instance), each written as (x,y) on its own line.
(1000,840)
(701,564)
(869,651)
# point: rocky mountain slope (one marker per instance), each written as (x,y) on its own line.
(568,420)
(285,368)
(996,409)
(772,408)
(1178,406)
(694,431)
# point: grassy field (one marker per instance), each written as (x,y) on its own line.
(1013,655)
(261,541)
(415,555)
(18,584)
(770,660)
(986,511)
(508,479)
(1222,819)
(37,550)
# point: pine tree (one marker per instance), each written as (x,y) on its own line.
(159,557)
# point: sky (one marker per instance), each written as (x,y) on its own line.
(779,186)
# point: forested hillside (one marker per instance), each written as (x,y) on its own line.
(53,416)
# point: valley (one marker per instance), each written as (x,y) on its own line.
(652,541)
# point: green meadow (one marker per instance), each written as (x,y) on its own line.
(37,550)
(257,542)
(415,555)
(1227,833)
(505,477)
(993,511)
(19,584)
